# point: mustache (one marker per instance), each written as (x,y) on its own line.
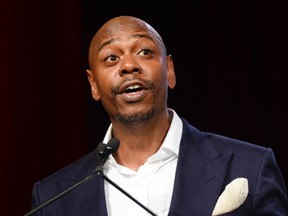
(149,84)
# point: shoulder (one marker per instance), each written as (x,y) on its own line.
(223,144)
(64,180)
(77,170)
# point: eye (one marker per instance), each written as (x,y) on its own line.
(145,52)
(111,58)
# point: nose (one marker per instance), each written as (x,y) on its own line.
(129,65)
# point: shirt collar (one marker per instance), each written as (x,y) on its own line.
(173,137)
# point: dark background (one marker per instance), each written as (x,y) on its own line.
(230,60)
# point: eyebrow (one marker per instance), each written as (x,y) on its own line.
(142,36)
(105,44)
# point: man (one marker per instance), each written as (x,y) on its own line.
(163,162)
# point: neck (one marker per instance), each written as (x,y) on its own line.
(140,141)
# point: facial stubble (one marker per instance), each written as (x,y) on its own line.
(138,116)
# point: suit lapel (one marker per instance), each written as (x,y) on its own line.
(201,170)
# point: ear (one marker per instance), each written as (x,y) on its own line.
(170,72)
(93,85)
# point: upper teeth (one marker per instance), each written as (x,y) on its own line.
(133,87)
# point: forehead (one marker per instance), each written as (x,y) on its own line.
(124,36)
(125,29)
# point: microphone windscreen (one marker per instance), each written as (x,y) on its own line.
(113,144)
(101,147)
(109,148)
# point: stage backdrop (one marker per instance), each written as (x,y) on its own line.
(230,61)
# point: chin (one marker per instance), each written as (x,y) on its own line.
(135,117)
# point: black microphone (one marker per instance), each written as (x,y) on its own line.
(103,151)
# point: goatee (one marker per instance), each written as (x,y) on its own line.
(136,117)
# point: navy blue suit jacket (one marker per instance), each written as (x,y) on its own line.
(207,163)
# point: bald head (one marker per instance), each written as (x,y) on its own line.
(122,23)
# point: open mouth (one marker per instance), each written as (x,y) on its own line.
(130,87)
(133,89)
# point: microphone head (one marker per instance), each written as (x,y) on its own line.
(104,150)
(113,145)
(100,148)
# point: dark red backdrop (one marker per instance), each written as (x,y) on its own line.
(231,65)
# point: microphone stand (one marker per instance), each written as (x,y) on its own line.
(99,171)
(103,151)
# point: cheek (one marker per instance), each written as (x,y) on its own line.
(103,89)
(160,79)
(161,88)
(105,85)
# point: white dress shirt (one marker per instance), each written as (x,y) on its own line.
(151,185)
